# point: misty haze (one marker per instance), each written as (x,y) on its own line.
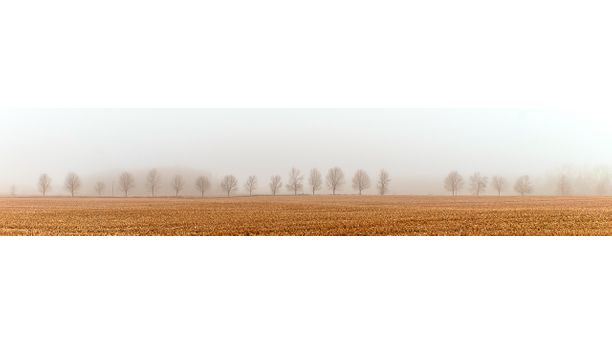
(418,148)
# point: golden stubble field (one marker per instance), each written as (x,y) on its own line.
(307,215)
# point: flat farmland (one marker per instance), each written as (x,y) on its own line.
(308,215)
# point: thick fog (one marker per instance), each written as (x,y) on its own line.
(417,147)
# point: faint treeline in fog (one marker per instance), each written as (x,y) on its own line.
(579,180)
(563,180)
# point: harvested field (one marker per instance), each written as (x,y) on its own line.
(307,215)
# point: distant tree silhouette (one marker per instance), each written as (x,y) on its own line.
(126,183)
(229,184)
(334,179)
(315,180)
(275,184)
(383,182)
(499,184)
(178,184)
(44,184)
(72,183)
(251,185)
(202,184)
(478,183)
(523,185)
(295,182)
(153,181)
(99,188)
(453,183)
(564,186)
(361,181)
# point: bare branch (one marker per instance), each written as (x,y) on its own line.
(453,183)
(315,180)
(44,184)
(361,181)
(334,179)
(251,185)
(499,184)
(478,183)
(275,184)
(202,184)
(383,182)
(295,183)
(153,182)
(229,184)
(72,183)
(178,184)
(523,186)
(126,183)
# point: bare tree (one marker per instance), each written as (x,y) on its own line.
(523,186)
(478,183)
(229,184)
(295,183)
(202,184)
(153,182)
(453,183)
(499,184)
(44,184)
(126,183)
(361,181)
(251,185)
(178,184)
(383,182)
(275,184)
(13,191)
(334,179)
(99,187)
(72,183)
(564,186)
(315,180)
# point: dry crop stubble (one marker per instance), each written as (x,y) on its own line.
(308,215)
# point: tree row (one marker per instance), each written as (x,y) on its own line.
(478,183)
(229,184)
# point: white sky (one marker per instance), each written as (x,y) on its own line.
(417,147)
